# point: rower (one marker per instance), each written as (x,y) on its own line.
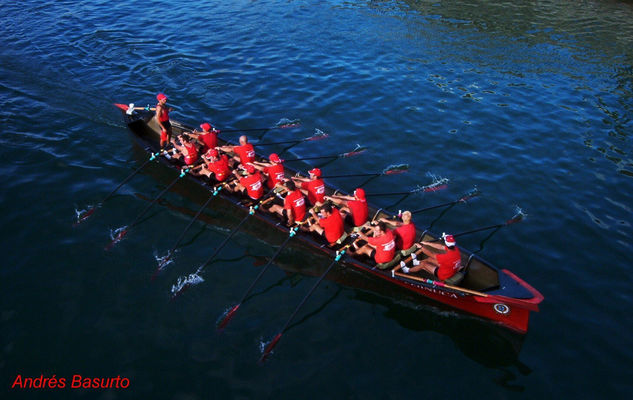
(186,149)
(162,118)
(215,164)
(441,265)
(273,169)
(381,246)
(251,184)
(294,206)
(329,224)
(405,233)
(354,207)
(208,138)
(313,186)
(244,152)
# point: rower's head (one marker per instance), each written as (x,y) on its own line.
(211,153)
(380,228)
(291,185)
(206,127)
(243,140)
(250,169)
(326,209)
(315,173)
(406,217)
(274,158)
(162,99)
(449,240)
(359,193)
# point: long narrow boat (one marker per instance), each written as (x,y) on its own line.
(494,294)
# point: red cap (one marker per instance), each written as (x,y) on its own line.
(250,169)
(360,193)
(206,126)
(275,158)
(315,171)
(449,240)
(212,153)
(161,96)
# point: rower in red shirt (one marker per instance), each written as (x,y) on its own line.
(208,138)
(313,186)
(294,204)
(441,265)
(381,246)
(405,233)
(188,150)
(329,224)
(162,117)
(354,207)
(244,153)
(273,169)
(250,184)
(215,164)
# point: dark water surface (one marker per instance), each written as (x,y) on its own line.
(532,102)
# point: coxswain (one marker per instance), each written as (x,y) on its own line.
(354,207)
(162,117)
(313,186)
(251,184)
(208,138)
(215,164)
(187,149)
(381,246)
(329,223)
(245,153)
(274,170)
(441,265)
(405,233)
(294,205)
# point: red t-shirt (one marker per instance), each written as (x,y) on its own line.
(253,185)
(220,168)
(275,174)
(316,190)
(296,202)
(360,211)
(405,236)
(333,226)
(385,247)
(210,140)
(450,262)
(245,152)
(192,153)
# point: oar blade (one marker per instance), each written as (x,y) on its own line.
(358,150)
(269,348)
(116,239)
(396,169)
(85,216)
(227,318)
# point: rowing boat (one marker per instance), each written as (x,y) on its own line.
(493,294)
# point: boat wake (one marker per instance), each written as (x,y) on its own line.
(185,282)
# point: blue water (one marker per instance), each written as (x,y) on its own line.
(531,102)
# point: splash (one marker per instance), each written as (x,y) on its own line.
(288,123)
(438,183)
(185,282)
(117,235)
(82,215)
(318,135)
(395,169)
(165,260)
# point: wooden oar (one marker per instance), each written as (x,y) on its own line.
(277,337)
(91,211)
(390,170)
(229,315)
(177,290)
(316,136)
(463,199)
(166,259)
(358,150)
(282,126)
(440,284)
(124,231)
